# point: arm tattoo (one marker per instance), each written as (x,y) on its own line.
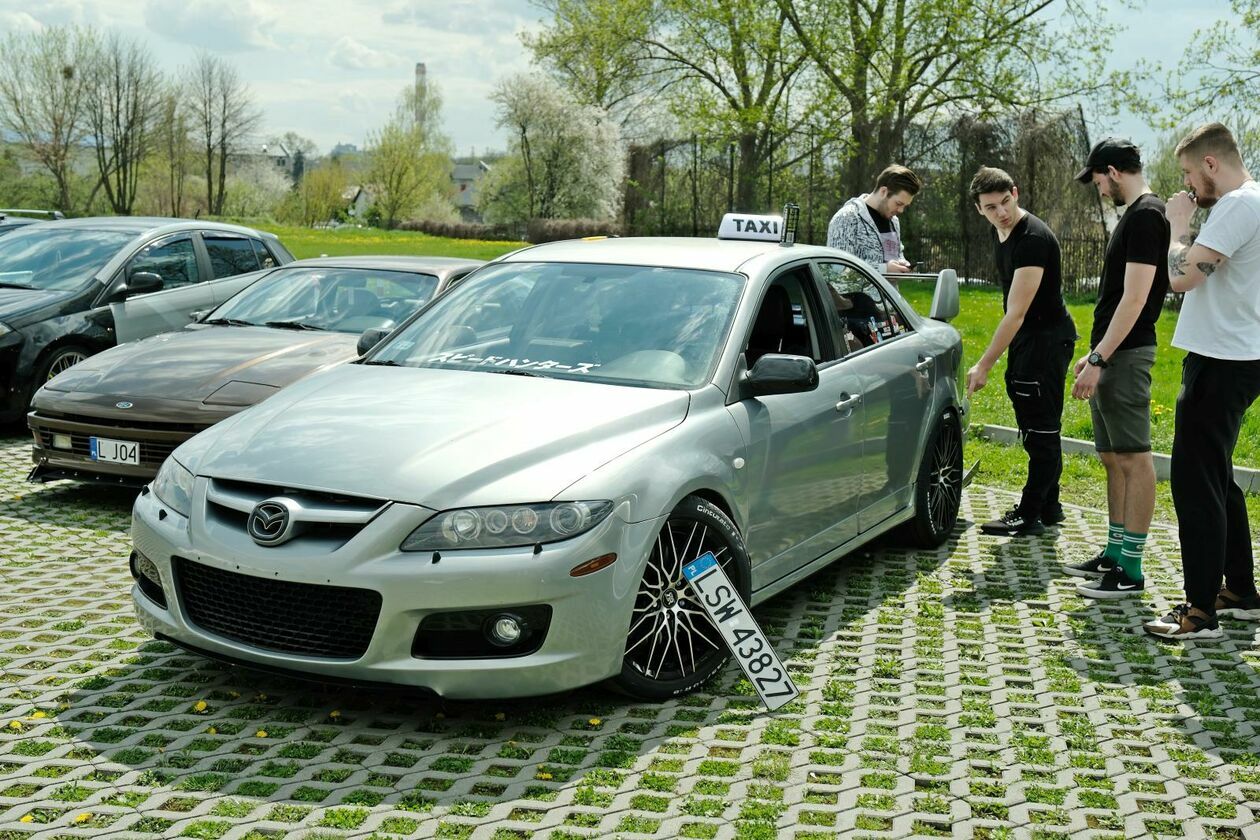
(1177,260)
(1186,239)
(1206,267)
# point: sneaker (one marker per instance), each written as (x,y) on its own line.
(1114,584)
(1096,566)
(1181,624)
(1053,515)
(1013,524)
(1229,604)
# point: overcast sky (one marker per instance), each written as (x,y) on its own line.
(332,69)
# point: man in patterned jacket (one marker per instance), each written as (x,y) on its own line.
(867,226)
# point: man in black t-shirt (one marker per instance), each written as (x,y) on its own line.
(1115,376)
(1040,334)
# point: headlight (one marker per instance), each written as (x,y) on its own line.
(506,527)
(173,487)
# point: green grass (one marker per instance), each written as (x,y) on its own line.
(981,310)
(305,242)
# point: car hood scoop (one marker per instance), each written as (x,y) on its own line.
(437,438)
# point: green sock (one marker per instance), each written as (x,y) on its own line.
(1131,554)
(1115,541)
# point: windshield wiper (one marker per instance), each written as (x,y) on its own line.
(293,325)
(516,372)
(230,322)
(383,363)
(4,285)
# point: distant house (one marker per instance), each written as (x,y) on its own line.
(466,175)
(356,200)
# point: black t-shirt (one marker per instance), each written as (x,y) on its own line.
(883,224)
(1033,244)
(1142,236)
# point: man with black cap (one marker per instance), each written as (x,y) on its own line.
(1115,376)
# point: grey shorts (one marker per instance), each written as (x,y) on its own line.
(1121,406)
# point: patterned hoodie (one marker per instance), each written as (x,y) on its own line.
(852,229)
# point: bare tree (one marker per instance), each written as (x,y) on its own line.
(173,148)
(123,103)
(43,92)
(222,113)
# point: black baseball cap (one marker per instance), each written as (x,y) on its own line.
(1110,151)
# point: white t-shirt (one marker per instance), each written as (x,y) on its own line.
(1220,317)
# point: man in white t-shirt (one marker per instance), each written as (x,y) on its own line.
(1219,328)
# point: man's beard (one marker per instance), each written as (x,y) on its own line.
(1210,195)
(1114,192)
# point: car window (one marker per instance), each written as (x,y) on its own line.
(865,316)
(230,256)
(265,258)
(787,321)
(174,260)
(636,325)
(340,299)
(45,257)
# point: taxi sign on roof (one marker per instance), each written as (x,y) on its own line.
(749,226)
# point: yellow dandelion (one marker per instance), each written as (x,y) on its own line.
(82,818)
(210,730)
(200,706)
(40,715)
(15,725)
(334,714)
(27,818)
(500,716)
(260,697)
(542,777)
(261,733)
(594,721)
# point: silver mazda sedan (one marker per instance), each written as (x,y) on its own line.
(498,499)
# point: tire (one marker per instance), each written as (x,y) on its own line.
(938,489)
(57,360)
(672,646)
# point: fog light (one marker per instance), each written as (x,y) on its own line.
(63,442)
(505,629)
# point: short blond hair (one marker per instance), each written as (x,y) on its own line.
(1212,139)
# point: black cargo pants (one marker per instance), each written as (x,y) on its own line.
(1036,374)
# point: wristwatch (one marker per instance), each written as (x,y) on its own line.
(1096,359)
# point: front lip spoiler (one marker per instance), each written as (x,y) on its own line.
(304,676)
(43,473)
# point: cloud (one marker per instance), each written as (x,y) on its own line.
(18,22)
(218,25)
(471,16)
(350,54)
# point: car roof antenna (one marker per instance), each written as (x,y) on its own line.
(791,220)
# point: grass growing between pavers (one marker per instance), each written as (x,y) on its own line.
(960,692)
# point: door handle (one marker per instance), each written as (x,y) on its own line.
(848,403)
(925,364)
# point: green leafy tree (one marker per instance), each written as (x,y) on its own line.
(409,159)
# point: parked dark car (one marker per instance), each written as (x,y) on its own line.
(14,219)
(116,416)
(69,289)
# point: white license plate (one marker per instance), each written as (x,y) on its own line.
(114,451)
(751,648)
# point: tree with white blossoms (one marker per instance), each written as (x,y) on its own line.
(565,159)
(409,159)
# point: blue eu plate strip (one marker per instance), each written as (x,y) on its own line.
(699,566)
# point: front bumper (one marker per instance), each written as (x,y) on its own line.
(155,442)
(583,644)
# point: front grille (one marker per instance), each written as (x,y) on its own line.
(335,622)
(122,423)
(151,454)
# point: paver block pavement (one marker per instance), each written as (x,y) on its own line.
(962,692)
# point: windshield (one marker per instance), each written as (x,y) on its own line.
(348,300)
(633,325)
(54,258)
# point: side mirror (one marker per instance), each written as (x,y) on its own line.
(370,339)
(945,297)
(197,315)
(779,374)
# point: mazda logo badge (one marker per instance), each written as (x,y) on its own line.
(123,404)
(271,522)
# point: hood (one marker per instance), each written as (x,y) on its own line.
(194,363)
(437,438)
(17,302)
